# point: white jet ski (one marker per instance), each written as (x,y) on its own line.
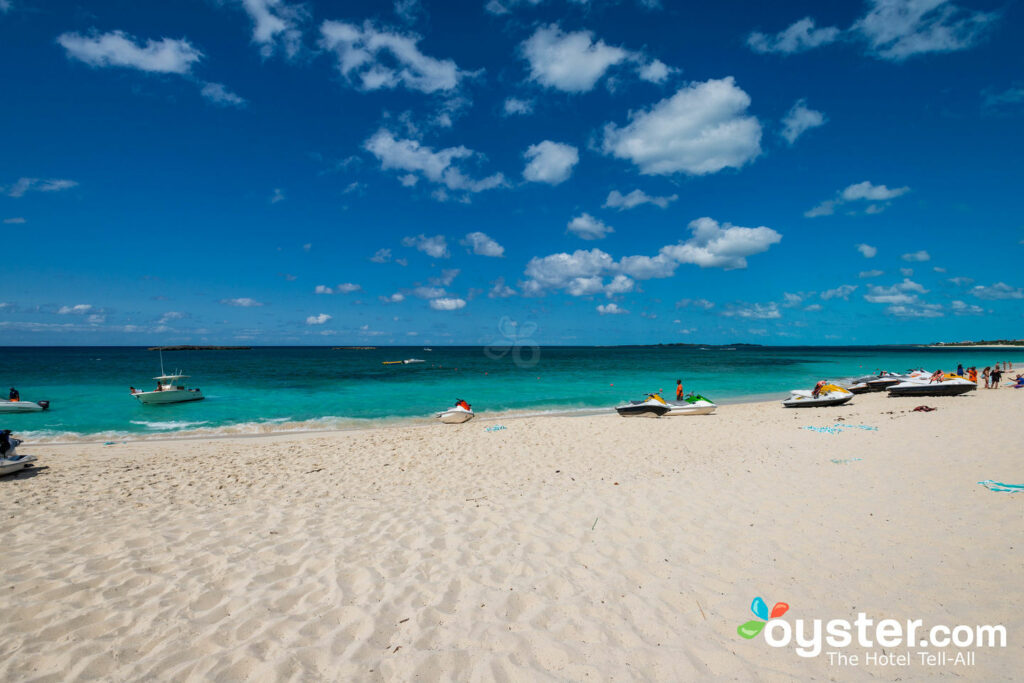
(653,406)
(10,461)
(948,385)
(693,404)
(827,395)
(459,413)
(23,406)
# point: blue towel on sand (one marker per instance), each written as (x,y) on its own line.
(1000,486)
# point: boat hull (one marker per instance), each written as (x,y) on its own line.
(164,397)
(12,464)
(21,406)
(937,389)
(676,409)
(454,417)
(642,410)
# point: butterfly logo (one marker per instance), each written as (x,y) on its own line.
(760,610)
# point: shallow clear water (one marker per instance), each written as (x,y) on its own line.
(304,388)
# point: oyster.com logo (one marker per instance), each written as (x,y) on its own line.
(760,610)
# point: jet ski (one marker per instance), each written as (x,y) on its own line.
(22,406)
(653,406)
(459,413)
(870,383)
(948,385)
(10,461)
(693,404)
(822,396)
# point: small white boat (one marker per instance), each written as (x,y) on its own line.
(459,413)
(827,395)
(653,406)
(10,461)
(22,406)
(923,385)
(694,404)
(169,389)
(409,361)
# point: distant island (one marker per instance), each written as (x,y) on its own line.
(353,348)
(994,343)
(199,348)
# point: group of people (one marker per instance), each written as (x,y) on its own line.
(992,375)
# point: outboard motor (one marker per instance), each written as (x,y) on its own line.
(44,404)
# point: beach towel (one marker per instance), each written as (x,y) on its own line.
(1000,486)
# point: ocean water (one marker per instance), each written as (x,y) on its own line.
(269,389)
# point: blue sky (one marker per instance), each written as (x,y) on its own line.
(631,171)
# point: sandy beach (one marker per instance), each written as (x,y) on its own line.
(558,548)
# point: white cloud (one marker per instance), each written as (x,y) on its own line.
(799,119)
(648,267)
(901,293)
(769,311)
(317,319)
(381,256)
(963,308)
(656,71)
(866,190)
(917,256)
(617,200)
(897,29)
(867,251)
(347,288)
(906,272)
(117,48)
(721,246)
(572,62)
(1009,97)
(870,273)
(999,290)
(438,167)
(323,289)
(840,292)
(826,208)
(500,290)
(172,315)
(221,96)
(446,277)
(611,309)
(557,270)
(514,106)
(695,303)
(435,247)
(17,220)
(278,196)
(802,35)
(395,298)
(77,309)
(275,24)
(960,281)
(380,59)
(620,284)
(431,292)
(243,302)
(23,185)
(915,310)
(813,308)
(939,269)
(5,6)
(447,304)
(587,227)
(482,245)
(701,129)
(550,162)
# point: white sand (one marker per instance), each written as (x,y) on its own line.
(586,548)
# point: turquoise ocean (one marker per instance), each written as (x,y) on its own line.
(270,389)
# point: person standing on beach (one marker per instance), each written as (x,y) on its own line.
(984,375)
(679,390)
(995,376)
(960,369)
(972,374)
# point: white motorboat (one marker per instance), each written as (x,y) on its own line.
(694,404)
(169,389)
(457,414)
(924,385)
(653,406)
(10,461)
(22,406)
(821,397)
(409,361)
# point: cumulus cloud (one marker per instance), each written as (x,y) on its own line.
(703,304)
(572,62)
(77,309)
(611,309)
(867,251)
(318,319)
(871,273)
(800,36)
(915,310)
(275,24)
(864,191)
(799,119)
(769,311)
(435,247)
(721,246)
(617,200)
(648,267)
(840,292)
(23,185)
(701,129)
(587,227)
(242,302)
(221,96)
(999,290)
(550,162)
(117,48)
(482,245)
(395,298)
(376,59)
(656,71)
(446,304)
(438,167)
(917,256)
(901,293)
(963,308)
(323,289)
(515,106)
(499,290)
